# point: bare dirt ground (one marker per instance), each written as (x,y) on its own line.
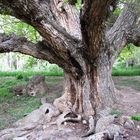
(129,101)
(129,93)
(128,105)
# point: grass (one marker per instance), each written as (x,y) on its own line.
(13,108)
(31,73)
(136,118)
(126,72)
(115,72)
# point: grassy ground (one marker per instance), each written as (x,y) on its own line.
(14,107)
(31,73)
(115,72)
(126,72)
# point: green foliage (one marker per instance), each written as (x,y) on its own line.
(26,78)
(136,118)
(30,62)
(117,11)
(19,76)
(78,4)
(65,1)
(127,53)
(10,25)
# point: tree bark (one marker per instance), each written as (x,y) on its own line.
(76,42)
(91,92)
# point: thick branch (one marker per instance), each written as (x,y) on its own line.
(134,36)
(96,11)
(14,43)
(93,17)
(124,30)
(41,50)
(58,24)
(56,18)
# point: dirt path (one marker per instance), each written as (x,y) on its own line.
(129,101)
(129,93)
(129,105)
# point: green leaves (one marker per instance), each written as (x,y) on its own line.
(127,53)
(10,25)
(79,4)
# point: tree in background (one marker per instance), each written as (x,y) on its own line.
(79,42)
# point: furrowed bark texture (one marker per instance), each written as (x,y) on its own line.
(93,91)
(77,42)
(125,30)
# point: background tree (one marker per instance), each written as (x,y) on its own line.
(80,43)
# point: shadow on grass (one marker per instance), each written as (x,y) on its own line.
(13,108)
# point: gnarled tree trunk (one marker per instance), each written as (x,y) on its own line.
(77,42)
(80,43)
(89,93)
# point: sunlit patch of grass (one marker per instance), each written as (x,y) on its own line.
(136,118)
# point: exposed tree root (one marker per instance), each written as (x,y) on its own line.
(67,117)
(91,127)
(41,124)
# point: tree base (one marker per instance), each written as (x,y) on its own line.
(47,123)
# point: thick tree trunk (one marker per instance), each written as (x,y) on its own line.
(88,94)
(80,44)
(77,42)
